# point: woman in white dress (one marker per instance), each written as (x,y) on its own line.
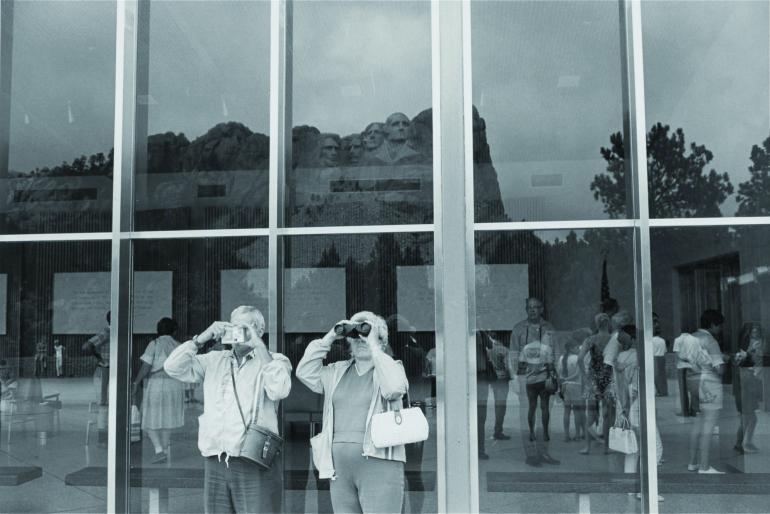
(163,398)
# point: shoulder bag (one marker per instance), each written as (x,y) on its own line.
(399,426)
(551,382)
(260,445)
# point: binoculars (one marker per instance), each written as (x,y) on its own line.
(351,329)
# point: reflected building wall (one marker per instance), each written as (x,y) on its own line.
(30,270)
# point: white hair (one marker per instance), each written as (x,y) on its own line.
(256,317)
(620,319)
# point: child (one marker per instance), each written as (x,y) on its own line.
(571,391)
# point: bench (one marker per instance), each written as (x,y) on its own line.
(17,475)
(159,480)
(583,484)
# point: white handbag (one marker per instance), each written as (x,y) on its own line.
(622,437)
(399,426)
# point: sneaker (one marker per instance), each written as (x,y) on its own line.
(159,458)
(750,448)
(501,436)
(692,467)
(483,456)
(710,471)
(549,460)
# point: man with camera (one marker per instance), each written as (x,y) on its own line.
(241,388)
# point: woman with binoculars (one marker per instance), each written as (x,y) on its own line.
(363,478)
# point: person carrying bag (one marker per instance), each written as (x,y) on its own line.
(364,477)
(238,477)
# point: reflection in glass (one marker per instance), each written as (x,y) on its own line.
(553,366)
(547,92)
(205,110)
(706,68)
(709,294)
(362,144)
(58,173)
(180,287)
(328,279)
(54,375)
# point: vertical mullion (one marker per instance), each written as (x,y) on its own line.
(132,20)
(6,59)
(636,158)
(453,241)
(280,155)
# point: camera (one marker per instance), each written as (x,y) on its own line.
(350,329)
(234,335)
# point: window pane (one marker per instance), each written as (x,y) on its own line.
(548,101)
(331,278)
(180,288)
(706,67)
(54,375)
(710,291)
(207,115)
(361,108)
(543,306)
(58,173)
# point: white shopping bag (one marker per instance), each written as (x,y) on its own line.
(136,424)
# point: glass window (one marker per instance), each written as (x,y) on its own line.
(54,375)
(58,119)
(710,290)
(548,110)
(556,362)
(180,287)
(706,68)
(205,109)
(361,108)
(328,279)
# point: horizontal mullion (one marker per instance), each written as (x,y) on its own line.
(196,234)
(555,225)
(709,222)
(361,229)
(40,238)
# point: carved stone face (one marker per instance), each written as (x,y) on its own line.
(397,127)
(356,150)
(373,136)
(330,152)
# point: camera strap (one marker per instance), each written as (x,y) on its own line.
(257,397)
(237,400)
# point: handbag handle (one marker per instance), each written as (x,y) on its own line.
(397,406)
(621,421)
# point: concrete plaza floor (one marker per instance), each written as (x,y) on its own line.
(67,452)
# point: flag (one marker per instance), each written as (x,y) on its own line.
(605,282)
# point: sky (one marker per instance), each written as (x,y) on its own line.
(546,78)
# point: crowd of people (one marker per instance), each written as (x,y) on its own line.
(596,376)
